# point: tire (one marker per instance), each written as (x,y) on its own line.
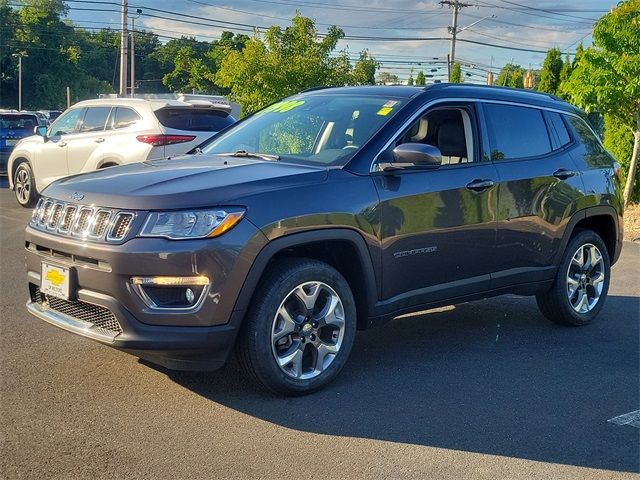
(564,303)
(268,339)
(24,185)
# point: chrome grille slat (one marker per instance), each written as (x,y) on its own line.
(67,218)
(54,218)
(103,319)
(45,211)
(121,226)
(82,221)
(100,224)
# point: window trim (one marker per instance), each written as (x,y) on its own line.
(479,102)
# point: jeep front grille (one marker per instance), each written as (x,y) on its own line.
(81,221)
(102,319)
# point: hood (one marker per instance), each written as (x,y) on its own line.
(190,181)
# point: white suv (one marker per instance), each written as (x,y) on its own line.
(103,133)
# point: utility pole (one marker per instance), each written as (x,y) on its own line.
(124,43)
(133,52)
(455,6)
(19,55)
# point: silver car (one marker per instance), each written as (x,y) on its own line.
(95,134)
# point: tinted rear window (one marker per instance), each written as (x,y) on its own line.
(94,119)
(18,121)
(517,132)
(195,120)
(123,117)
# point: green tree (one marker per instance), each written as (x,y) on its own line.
(618,139)
(364,71)
(607,77)
(550,74)
(516,79)
(386,78)
(283,62)
(509,74)
(420,79)
(410,80)
(577,55)
(565,73)
(54,56)
(456,73)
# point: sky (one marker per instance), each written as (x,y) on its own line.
(399,32)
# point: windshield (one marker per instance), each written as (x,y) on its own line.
(317,129)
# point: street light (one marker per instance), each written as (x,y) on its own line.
(133,51)
(20,55)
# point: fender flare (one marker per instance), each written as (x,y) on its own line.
(297,239)
(599,210)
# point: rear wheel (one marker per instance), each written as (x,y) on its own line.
(300,328)
(581,284)
(24,185)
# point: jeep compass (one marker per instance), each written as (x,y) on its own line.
(334,210)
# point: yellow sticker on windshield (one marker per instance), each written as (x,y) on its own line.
(384,111)
(282,107)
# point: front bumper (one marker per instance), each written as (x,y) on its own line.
(176,348)
(193,340)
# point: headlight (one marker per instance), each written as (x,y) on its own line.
(182,225)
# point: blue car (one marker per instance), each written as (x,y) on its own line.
(14,126)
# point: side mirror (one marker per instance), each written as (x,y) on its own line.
(41,130)
(415,155)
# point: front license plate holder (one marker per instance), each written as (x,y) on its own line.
(56,281)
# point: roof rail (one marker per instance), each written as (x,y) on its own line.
(496,87)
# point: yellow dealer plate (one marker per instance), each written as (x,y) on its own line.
(55,281)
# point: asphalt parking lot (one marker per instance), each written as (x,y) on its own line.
(488,389)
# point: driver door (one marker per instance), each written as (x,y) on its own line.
(438,226)
(52,158)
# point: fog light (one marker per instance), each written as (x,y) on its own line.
(171,293)
(190,295)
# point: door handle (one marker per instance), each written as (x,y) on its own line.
(62,144)
(99,140)
(563,173)
(480,185)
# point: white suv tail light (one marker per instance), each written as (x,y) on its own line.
(160,140)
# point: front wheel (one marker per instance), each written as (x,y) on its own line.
(24,185)
(300,328)
(581,284)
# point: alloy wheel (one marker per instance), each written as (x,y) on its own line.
(22,185)
(585,278)
(308,330)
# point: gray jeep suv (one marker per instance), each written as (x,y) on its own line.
(331,211)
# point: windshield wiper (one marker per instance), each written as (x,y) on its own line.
(245,154)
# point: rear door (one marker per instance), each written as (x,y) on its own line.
(438,227)
(537,190)
(188,127)
(88,141)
